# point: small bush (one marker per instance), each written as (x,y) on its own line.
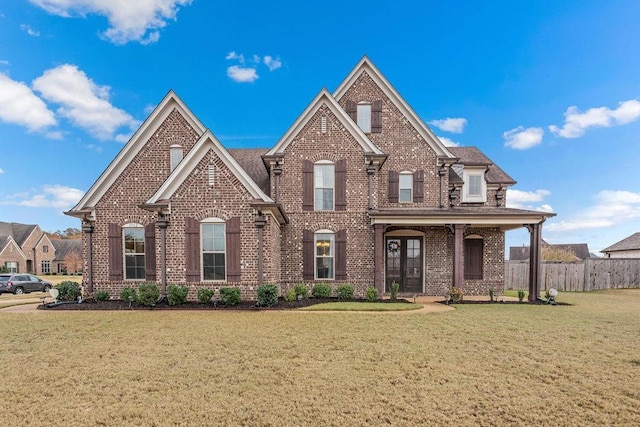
(345,291)
(491,294)
(128,294)
(395,287)
(205,295)
(455,295)
(148,294)
(68,291)
(520,295)
(230,296)
(177,295)
(102,296)
(302,291)
(267,295)
(290,295)
(321,290)
(371,294)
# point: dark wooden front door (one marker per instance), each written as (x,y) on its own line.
(404,263)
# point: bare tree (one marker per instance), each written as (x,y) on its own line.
(73,262)
(549,253)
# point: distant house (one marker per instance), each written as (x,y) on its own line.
(625,248)
(25,248)
(579,250)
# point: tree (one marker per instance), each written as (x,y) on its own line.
(73,262)
(549,253)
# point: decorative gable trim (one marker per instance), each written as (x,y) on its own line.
(170,102)
(324,97)
(207,142)
(365,64)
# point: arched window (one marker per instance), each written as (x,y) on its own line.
(213,244)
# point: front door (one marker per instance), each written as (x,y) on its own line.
(404,263)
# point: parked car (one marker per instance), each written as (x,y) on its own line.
(18,283)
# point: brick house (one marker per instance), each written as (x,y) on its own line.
(358,190)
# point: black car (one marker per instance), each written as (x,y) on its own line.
(19,283)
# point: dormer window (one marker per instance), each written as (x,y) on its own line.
(175,153)
(474,189)
(364,116)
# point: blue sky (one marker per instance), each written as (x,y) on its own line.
(549,90)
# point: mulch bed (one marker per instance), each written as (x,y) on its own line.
(193,305)
(537,302)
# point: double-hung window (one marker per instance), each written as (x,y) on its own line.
(134,251)
(475,186)
(213,249)
(364,116)
(325,249)
(406,188)
(324,185)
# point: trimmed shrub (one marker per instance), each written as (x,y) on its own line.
(371,294)
(205,295)
(267,295)
(290,295)
(102,296)
(455,295)
(68,291)
(345,291)
(230,296)
(302,291)
(148,294)
(321,290)
(395,287)
(125,293)
(177,295)
(520,295)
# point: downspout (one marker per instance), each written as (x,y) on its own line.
(34,266)
(163,223)
(441,172)
(260,223)
(371,169)
(87,228)
(277,171)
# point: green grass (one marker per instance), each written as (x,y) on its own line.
(495,364)
(363,306)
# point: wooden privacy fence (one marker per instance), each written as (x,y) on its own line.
(587,275)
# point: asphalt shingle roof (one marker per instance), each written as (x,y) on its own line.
(473,156)
(630,243)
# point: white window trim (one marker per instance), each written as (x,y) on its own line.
(332,254)
(468,198)
(315,187)
(175,155)
(124,254)
(358,116)
(213,221)
(400,175)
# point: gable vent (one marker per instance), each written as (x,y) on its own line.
(211,175)
(323,124)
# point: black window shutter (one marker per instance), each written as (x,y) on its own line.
(307,255)
(233,250)
(150,252)
(341,185)
(376,116)
(115,252)
(341,255)
(307,186)
(352,110)
(473,259)
(418,186)
(394,184)
(192,249)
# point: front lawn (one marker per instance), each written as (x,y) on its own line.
(495,364)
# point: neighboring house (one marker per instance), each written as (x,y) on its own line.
(25,249)
(68,259)
(625,248)
(358,190)
(579,250)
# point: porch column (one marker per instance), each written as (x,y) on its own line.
(458,254)
(534,260)
(87,228)
(260,222)
(378,260)
(163,223)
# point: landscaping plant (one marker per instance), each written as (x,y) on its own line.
(302,292)
(230,296)
(395,286)
(520,295)
(267,295)
(68,291)
(102,296)
(205,295)
(129,294)
(321,290)
(290,295)
(345,291)
(177,295)
(148,294)
(371,294)
(455,295)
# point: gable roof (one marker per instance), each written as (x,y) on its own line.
(207,142)
(365,64)
(324,98)
(627,244)
(170,102)
(7,241)
(473,156)
(18,232)
(66,246)
(579,250)
(250,159)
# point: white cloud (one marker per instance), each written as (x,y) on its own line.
(55,135)
(272,63)
(4,62)
(530,200)
(610,208)
(234,55)
(453,125)
(51,196)
(129,20)
(242,74)
(577,123)
(521,138)
(448,142)
(1,171)
(29,30)
(19,105)
(82,101)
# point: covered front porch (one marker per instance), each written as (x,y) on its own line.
(429,251)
